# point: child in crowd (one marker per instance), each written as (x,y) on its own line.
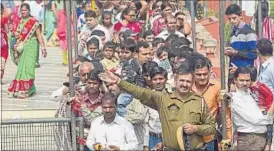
(110,62)
(93,48)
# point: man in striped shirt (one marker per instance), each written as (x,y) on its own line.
(243,39)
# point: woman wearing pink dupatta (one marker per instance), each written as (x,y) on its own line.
(61,29)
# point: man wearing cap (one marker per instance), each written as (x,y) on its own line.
(180,110)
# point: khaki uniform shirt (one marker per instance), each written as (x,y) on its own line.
(174,112)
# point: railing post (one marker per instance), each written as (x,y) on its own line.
(81,131)
(70,65)
(205,8)
(260,32)
(75,29)
(192,12)
(222,62)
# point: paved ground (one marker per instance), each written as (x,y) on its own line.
(49,77)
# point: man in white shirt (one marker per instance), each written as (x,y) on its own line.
(91,25)
(248,119)
(171,22)
(111,132)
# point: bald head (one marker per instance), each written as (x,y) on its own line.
(84,69)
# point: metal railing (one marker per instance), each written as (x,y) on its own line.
(38,134)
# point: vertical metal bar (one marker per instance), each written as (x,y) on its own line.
(205,8)
(68,19)
(240,3)
(81,130)
(222,62)
(260,30)
(192,12)
(75,29)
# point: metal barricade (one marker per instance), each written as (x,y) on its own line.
(38,134)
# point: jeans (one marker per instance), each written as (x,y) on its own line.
(210,146)
(86,148)
(153,141)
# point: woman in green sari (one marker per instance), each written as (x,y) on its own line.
(24,50)
(50,19)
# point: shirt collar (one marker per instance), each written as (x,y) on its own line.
(241,25)
(240,93)
(116,120)
(267,62)
(210,83)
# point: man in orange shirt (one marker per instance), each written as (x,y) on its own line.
(210,90)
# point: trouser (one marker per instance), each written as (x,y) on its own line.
(212,145)
(251,141)
(65,57)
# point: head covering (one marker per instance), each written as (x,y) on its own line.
(100,41)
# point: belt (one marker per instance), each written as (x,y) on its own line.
(246,134)
(158,135)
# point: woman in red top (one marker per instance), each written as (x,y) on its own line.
(4,41)
(160,24)
(128,22)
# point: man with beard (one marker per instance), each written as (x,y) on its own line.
(110,131)
(211,92)
(179,110)
(248,119)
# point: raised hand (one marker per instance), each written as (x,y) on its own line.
(108,77)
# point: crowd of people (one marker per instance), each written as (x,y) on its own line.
(138,82)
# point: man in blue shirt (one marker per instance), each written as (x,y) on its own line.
(266,73)
(243,39)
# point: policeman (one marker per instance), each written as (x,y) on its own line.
(182,108)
